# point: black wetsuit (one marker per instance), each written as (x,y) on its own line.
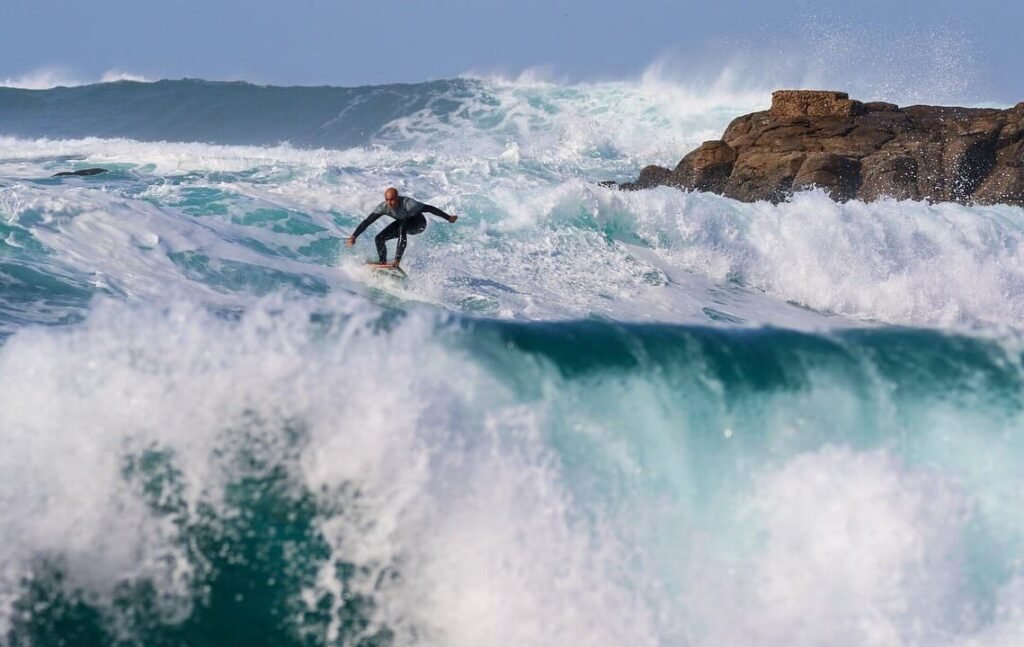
(409,221)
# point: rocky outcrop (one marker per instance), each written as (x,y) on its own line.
(81,172)
(858,150)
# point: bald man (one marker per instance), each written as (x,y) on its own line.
(409,220)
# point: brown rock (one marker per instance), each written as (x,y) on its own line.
(650,177)
(857,150)
(707,168)
(931,183)
(763,176)
(1006,181)
(837,174)
(1002,186)
(740,127)
(866,139)
(966,161)
(813,103)
(889,174)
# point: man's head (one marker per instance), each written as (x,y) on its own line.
(391,197)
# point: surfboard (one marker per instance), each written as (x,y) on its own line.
(386,269)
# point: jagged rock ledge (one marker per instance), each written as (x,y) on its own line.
(857,150)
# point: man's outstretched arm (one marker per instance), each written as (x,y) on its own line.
(362,227)
(427,208)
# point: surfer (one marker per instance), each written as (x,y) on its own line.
(409,220)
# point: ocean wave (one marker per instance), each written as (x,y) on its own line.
(648,117)
(326,470)
(534,241)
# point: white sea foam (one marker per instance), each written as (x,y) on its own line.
(115,75)
(545,246)
(457,490)
(516,501)
(472,490)
(44,78)
(896,262)
(519,161)
(854,549)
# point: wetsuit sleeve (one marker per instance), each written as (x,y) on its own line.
(376,213)
(427,208)
(365,223)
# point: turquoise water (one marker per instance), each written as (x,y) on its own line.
(587,417)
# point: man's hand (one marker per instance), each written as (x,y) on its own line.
(350,241)
(452,218)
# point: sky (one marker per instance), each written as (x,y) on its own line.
(940,49)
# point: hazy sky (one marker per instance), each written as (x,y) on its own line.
(939,49)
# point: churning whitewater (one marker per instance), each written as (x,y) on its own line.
(587,416)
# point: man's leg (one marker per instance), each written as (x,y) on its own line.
(401,245)
(411,227)
(391,231)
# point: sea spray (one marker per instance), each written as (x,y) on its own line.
(429,480)
(588,416)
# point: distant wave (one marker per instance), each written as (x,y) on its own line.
(650,119)
(45,78)
(216,111)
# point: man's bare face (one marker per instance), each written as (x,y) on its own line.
(391,198)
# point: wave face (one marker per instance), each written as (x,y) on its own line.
(238,113)
(587,417)
(218,112)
